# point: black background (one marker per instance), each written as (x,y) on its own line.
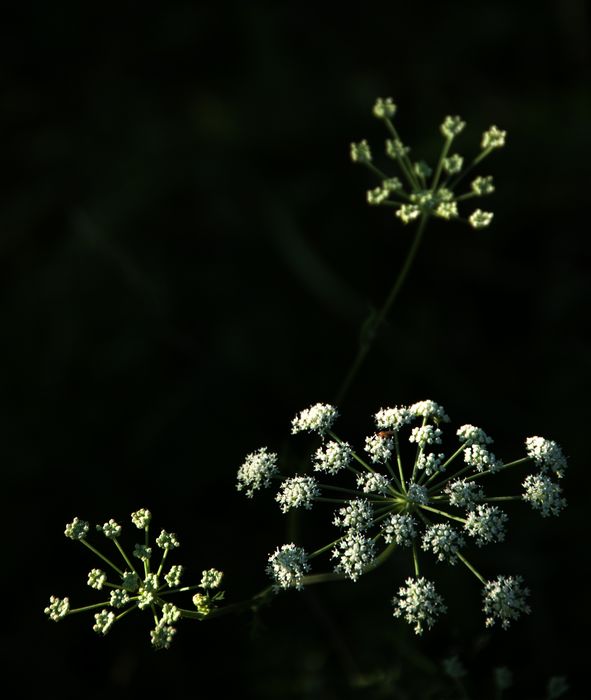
(187,258)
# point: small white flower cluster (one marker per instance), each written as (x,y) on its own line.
(128,590)
(332,457)
(505,600)
(547,455)
(357,514)
(425,192)
(543,494)
(419,603)
(316,419)
(257,471)
(443,541)
(416,506)
(355,552)
(486,524)
(287,567)
(296,492)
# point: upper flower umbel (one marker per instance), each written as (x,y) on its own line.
(426,191)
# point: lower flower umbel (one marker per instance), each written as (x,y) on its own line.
(408,493)
(138,585)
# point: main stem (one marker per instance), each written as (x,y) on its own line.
(366,346)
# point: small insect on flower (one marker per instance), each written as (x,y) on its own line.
(385,434)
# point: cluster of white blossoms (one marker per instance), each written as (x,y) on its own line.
(411,491)
(143,586)
(428,191)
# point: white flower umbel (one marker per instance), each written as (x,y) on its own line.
(423,191)
(297,492)
(58,608)
(431,463)
(130,590)
(481,459)
(419,603)
(373,482)
(316,419)
(141,518)
(486,524)
(400,528)
(429,409)
(473,435)
(379,447)
(493,138)
(332,457)
(103,621)
(210,579)
(257,471)
(546,454)
(393,418)
(480,219)
(543,494)
(287,566)
(426,435)
(357,515)
(77,529)
(463,493)
(97,579)
(505,600)
(396,496)
(355,552)
(162,635)
(111,530)
(444,541)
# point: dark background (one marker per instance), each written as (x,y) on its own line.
(187,258)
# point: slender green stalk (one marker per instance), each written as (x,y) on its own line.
(442,157)
(442,512)
(365,347)
(124,555)
(403,161)
(472,569)
(102,556)
(399,462)
(94,606)
(415,559)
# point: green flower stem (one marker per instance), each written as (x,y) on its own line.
(496,471)
(164,554)
(263,596)
(124,555)
(446,464)
(419,452)
(326,547)
(361,494)
(365,347)
(479,158)
(442,512)
(94,606)
(457,475)
(322,499)
(146,542)
(468,195)
(504,498)
(392,203)
(472,569)
(376,171)
(442,157)
(415,559)
(102,556)
(399,462)
(404,161)
(125,612)
(184,589)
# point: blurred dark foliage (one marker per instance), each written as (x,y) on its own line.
(187,258)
